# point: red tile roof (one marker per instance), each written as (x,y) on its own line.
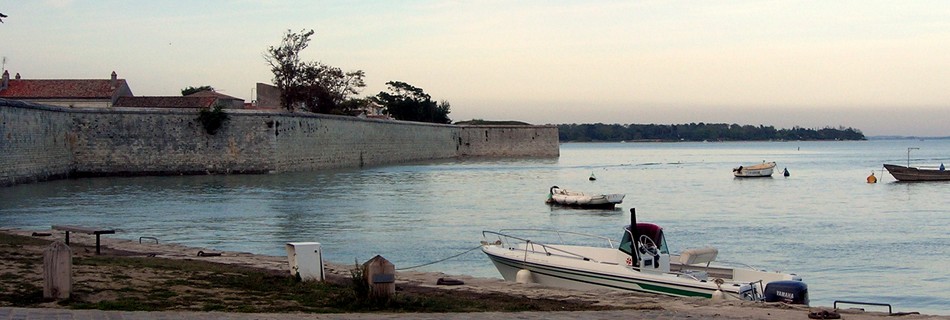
(209,93)
(63,89)
(165,102)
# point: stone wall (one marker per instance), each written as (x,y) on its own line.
(162,141)
(45,142)
(308,142)
(509,141)
(34,143)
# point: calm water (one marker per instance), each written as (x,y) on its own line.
(886,242)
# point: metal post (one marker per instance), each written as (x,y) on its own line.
(908,155)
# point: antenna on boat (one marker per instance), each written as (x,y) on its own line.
(908,155)
(635,244)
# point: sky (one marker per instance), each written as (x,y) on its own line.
(882,67)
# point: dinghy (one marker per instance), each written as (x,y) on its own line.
(564,197)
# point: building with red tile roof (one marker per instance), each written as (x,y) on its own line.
(102,93)
(229,101)
(166,102)
(203,99)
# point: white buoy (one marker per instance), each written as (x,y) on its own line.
(718,295)
(523,276)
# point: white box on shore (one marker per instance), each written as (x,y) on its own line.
(306,259)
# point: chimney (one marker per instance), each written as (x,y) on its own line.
(113,79)
(6,80)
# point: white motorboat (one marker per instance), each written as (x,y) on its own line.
(561,196)
(640,262)
(763,169)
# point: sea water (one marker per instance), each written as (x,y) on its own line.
(883,243)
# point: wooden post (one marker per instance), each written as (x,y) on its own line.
(380,274)
(57,271)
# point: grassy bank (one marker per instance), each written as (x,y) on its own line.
(118,280)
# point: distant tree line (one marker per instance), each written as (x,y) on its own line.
(699,132)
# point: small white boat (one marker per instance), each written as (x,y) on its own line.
(564,197)
(641,261)
(763,169)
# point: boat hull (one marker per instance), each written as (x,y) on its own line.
(902,173)
(583,200)
(598,201)
(756,171)
(603,276)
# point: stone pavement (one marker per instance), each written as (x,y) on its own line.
(50,314)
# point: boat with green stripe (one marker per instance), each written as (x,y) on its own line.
(640,261)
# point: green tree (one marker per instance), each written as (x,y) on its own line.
(286,65)
(191,90)
(312,86)
(406,102)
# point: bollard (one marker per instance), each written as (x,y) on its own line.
(57,271)
(380,274)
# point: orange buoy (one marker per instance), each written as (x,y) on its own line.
(872,178)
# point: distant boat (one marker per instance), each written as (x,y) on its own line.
(763,169)
(902,173)
(583,200)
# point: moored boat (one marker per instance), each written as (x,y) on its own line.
(904,173)
(641,261)
(763,169)
(557,195)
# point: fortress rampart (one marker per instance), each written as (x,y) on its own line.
(39,142)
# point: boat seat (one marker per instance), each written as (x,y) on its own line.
(697,256)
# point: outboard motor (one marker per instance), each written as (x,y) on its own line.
(787,291)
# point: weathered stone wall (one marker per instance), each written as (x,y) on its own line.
(509,141)
(156,141)
(45,142)
(308,142)
(34,143)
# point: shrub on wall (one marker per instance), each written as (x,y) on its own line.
(212,118)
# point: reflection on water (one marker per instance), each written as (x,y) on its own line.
(884,242)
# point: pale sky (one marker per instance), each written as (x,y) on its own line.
(879,66)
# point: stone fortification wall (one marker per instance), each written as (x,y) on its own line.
(508,141)
(307,142)
(161,141)
(44,142)
(34,143)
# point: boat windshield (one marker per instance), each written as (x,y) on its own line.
(653,231)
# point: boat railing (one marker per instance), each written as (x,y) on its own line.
(724,264)
(734,264)
(560,235)
(511,241)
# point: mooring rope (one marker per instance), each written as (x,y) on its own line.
(437,261)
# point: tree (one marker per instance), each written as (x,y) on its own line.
(312,86)
(191,90)
(406,102)
(286,65)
